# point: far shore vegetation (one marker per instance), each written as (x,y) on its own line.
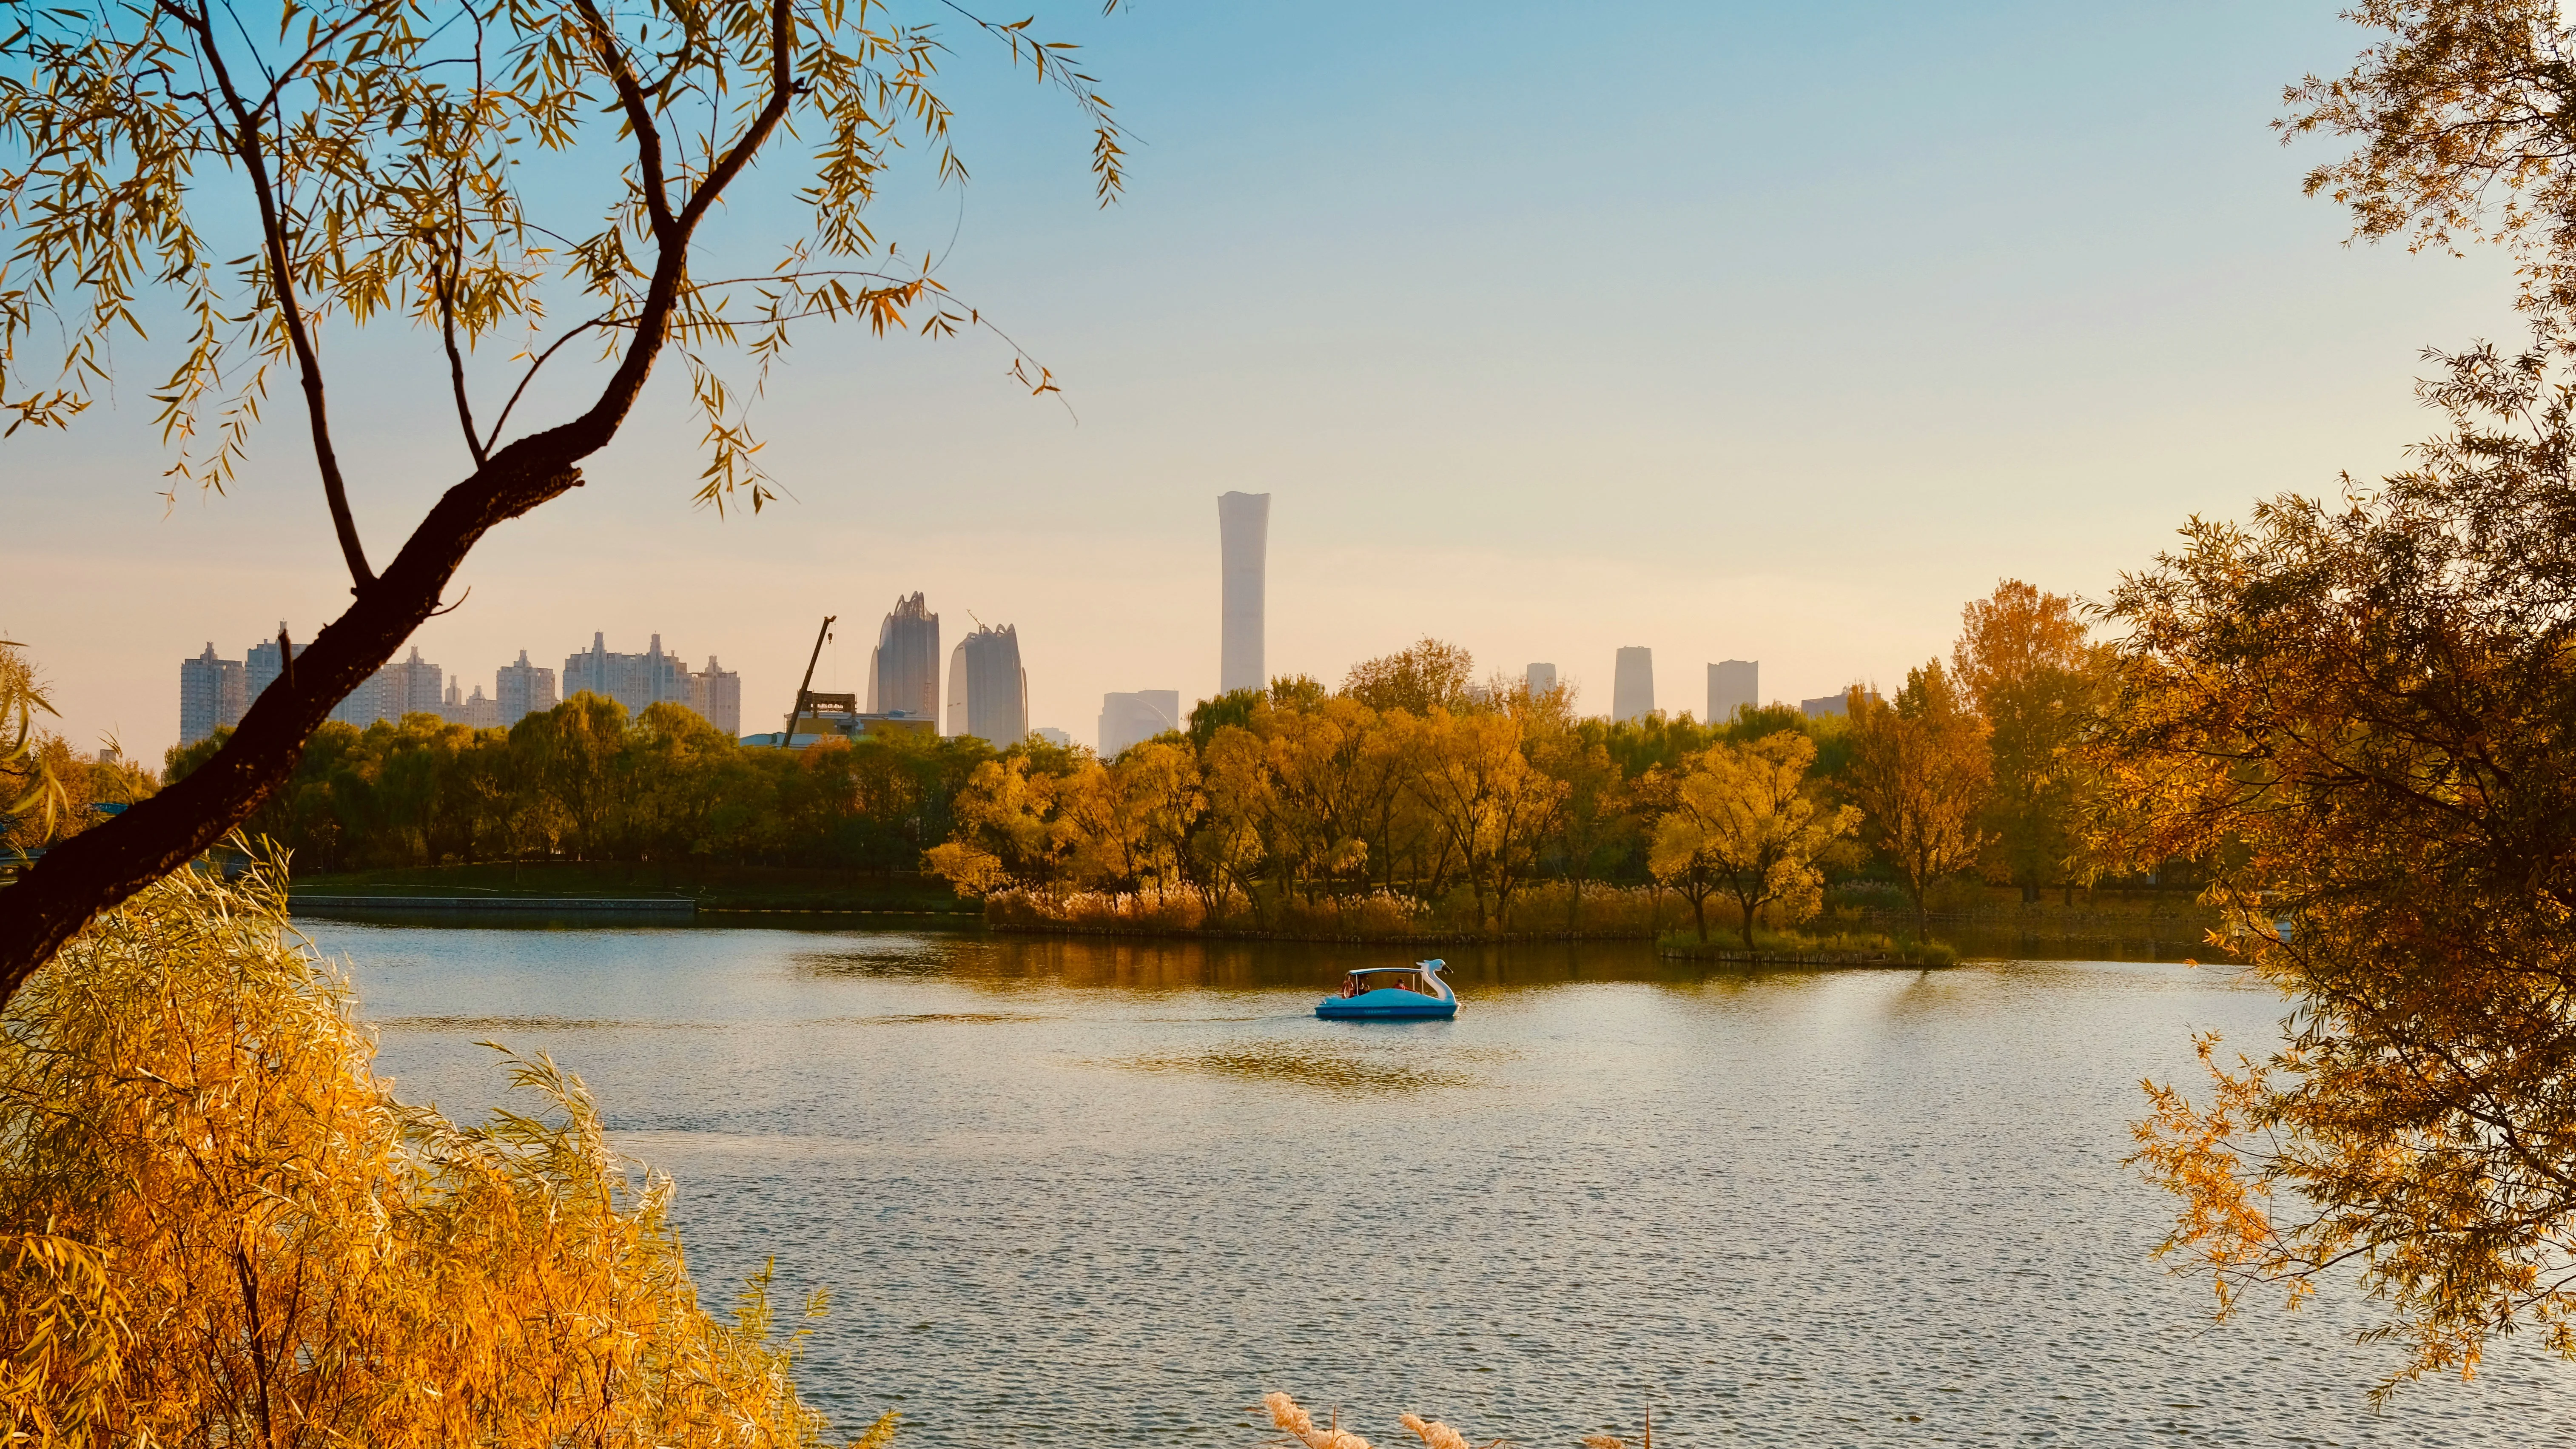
(1414,802)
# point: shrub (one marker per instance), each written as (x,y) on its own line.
(217,1226)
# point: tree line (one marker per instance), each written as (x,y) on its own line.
(1412,779)
(583,781)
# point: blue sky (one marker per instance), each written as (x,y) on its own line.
(1732,330)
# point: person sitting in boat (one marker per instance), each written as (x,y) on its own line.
(1350,984)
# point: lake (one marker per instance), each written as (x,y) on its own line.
(1083,1191)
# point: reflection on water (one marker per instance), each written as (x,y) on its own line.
(1069,1190)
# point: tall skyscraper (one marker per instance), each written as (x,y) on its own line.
(716,694)
(1540,679)
(212,693)
(1127,720)
(1243,525)
(523,689)
(903,670)
(988,691)
(1732,686)
(1632,688)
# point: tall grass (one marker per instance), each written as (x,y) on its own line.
(218,1226)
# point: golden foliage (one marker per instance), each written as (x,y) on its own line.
(2028,669)
(1744,823)
(2461,111)
(2358,718)
(1920,772)
(218,1226)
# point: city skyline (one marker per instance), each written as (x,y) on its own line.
(1540,490)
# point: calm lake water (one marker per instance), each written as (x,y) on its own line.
(1081,1192)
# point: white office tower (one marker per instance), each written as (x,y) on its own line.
(1632,688)
(903,670)
(1127,720)
(1540,679)
(1243,521)
(988,691)
(1732,685)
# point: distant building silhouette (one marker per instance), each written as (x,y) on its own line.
(1632,688)
(1127,720)
(261,667)
(637,681)
(481,712)
(1732,686)
(903,670)
(1539,678)
(212,694)
(522,689)
(716,694)
(988,691)
(1243,527)
(1834,704)
(405,686)
(1053,736)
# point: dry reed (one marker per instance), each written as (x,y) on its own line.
(217,1225)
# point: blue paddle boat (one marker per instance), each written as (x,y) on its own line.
(1392,993)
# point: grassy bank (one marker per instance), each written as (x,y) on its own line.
(720,890)
(1798,948)
(1547,911)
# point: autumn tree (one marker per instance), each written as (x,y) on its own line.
(2464,117)
(2357,716)
(1919,773)
(2023,659)
(1011,830)
(375,152)
(1596,819)
(1490,803)
(1432,674)
(1226,852)
(1744,823)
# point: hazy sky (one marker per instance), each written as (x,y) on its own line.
(1733,330)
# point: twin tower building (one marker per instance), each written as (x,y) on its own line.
(988,690)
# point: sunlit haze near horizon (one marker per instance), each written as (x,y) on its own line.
(1734,331)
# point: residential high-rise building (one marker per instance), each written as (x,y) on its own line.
(988,691)
(1632,687)
(903,670)
(1243,527)
(262,665)
(1733,685)
(405,686)
(523,689)
(212,694)
(716,694)
(1127,720)
(1540,678)
(481,712)
(637,681)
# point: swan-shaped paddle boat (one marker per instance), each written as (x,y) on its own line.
(1392,993)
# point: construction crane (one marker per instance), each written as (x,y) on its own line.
(805,691)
